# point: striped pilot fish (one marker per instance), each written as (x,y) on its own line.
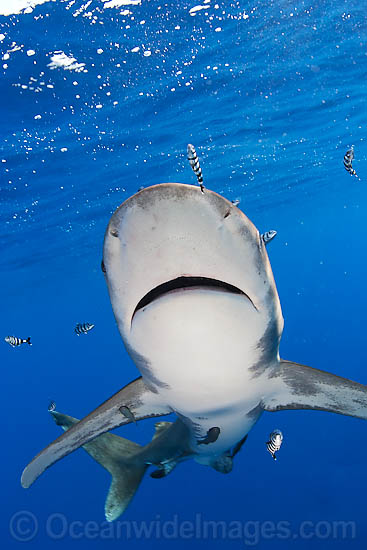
(274,443)
(348,159)
(195,165)
(14,341)
(83,328)
(51,406)
(268,236)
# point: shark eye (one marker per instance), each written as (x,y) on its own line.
(103,267)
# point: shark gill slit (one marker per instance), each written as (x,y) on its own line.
(188,282)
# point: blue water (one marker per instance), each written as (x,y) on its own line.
(271,94)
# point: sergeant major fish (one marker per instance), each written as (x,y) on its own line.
(268,236)
(195,165)
(83,328)
(14,341)
(348,159)
(274,443)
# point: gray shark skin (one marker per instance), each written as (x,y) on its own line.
(197,308)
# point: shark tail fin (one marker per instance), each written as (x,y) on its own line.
(125,482)
(295,386)
(119,457)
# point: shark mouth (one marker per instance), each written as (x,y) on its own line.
(184,282)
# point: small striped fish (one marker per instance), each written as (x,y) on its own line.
(83,328)
(52,406)
(195,165)
(274,443)
(268,236)
(348,159)
(14,341)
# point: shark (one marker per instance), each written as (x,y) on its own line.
(197,308)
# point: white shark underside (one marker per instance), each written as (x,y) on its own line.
(196,305)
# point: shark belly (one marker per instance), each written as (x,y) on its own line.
(196,347)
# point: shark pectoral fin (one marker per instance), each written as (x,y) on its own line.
(294,386)
(140,400)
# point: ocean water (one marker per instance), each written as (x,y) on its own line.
(101,98)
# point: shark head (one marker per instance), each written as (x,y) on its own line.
(179,259)
(172,237)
